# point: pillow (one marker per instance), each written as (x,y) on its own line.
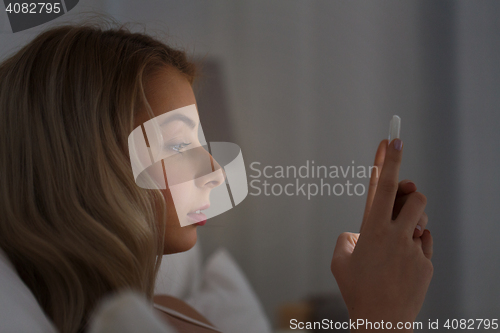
(127,312)
(19,310)
(226,298)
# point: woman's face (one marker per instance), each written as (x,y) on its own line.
(167,91)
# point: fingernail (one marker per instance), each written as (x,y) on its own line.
(418,227)
(409,182)
(398,144)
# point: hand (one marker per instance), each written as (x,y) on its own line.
(385,273)
(405,187)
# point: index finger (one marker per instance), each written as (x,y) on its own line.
(383,202)
(377,167)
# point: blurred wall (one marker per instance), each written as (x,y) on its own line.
(478,103)
(320,80)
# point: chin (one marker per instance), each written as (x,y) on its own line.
(182,241)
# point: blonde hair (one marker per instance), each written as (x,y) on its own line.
(73,222)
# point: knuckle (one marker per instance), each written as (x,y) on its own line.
(424,219)
(404,181)
(342,236)
(401,239)
(347,235)
(422,199)
(429,268)
(388,186)
(394,157)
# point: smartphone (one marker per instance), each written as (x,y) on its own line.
(394,128)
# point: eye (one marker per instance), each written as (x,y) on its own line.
(179,147)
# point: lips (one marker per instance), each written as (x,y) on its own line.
(197,216)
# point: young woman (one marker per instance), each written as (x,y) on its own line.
(77,227)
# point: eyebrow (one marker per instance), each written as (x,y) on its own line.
(188,121)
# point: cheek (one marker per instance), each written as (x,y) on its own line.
(182,198)
(172,219)
(177,238)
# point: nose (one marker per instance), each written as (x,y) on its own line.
(214,178)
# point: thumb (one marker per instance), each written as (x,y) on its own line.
(427,244)
(346,242)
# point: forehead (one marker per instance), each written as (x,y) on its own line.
(166,90)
